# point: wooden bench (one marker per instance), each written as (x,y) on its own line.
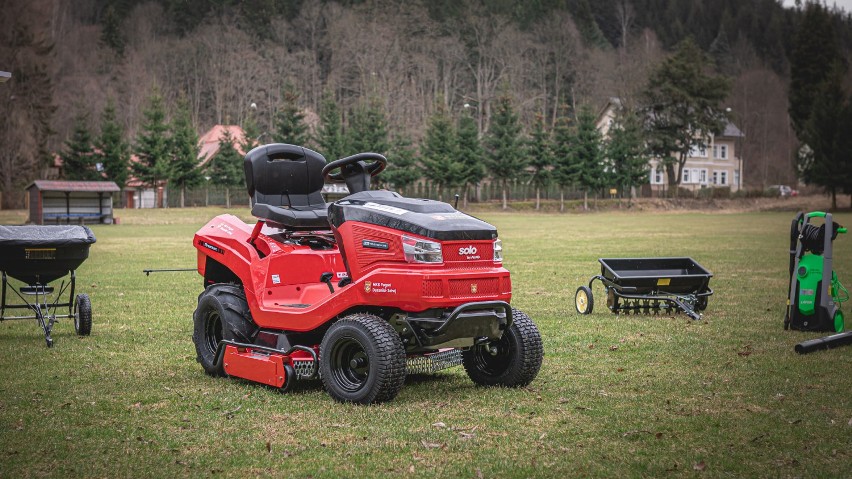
(79,217)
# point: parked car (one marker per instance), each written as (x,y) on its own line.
(783,191)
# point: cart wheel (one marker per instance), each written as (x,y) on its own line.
(838,322)
(222,313)
(362,360)
(583,300)
(83,315)
(512,361)
(701,303)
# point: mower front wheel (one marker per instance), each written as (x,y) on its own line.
(222,313)
(512,361)
(362,360)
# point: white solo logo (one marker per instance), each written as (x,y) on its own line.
(469,250)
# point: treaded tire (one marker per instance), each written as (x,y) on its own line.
(518,358)
(222,313)
(362,360)
(83,315)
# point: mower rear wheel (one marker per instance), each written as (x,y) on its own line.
(362,360)
(512,361)
(222,313)
(83,315)
(839,325)
(583,300)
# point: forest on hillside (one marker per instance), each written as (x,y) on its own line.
(242,61)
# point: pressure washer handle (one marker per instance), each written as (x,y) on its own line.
(816,214)
(841,230)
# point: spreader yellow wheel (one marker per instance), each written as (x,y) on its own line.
(583,300)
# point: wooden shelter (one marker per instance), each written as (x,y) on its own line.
(70,201)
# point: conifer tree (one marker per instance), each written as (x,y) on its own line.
(540,153)
(564,164)
(290,124)
(439,151)
(226,167)
(470,154)
(504,158)
(152,144)
(402,170)
(625,150)
(183,168)
(587,149)
(330,137)
(113,151)
(368,131)
(683,108)
(78,159)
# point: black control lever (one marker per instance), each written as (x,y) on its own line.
(326,278)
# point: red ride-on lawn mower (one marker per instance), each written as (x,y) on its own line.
(361,291)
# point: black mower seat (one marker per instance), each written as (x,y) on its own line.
(285,185)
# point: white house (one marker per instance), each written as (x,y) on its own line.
(718,165)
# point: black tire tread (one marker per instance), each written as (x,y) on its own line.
(83,325)
(391,371)
(237,324)
(531,356)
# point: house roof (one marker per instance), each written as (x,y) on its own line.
(91,186)
(209,142)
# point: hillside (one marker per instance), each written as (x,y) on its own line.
(70,58)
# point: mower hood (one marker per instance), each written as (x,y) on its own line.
(429,218)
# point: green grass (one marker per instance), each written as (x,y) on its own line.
(616,395)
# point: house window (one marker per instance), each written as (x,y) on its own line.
(720,152)
(686,178)
(702,176)
(656,176)
(737,177)
(723,178)
(698,151)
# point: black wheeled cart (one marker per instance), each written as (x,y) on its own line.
(649,285)
(37,256)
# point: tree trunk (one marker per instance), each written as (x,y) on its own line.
(207,196)
(833,199)
(505,203)
(464,200)
(561,200)
(182,196)
(537,198)
(586,200)
(227,197)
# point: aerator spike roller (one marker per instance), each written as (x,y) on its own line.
(815,292)
(359,292)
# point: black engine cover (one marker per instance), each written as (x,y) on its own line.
(429,218)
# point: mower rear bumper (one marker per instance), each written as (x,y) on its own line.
(463,326)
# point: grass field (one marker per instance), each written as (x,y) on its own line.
(620,396)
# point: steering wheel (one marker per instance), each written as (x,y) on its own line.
(377,166)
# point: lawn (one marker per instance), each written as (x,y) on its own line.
(616,396)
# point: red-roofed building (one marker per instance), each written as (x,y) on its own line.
(140,196)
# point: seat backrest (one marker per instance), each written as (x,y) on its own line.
(285,175)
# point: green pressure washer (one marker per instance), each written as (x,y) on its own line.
(815,293)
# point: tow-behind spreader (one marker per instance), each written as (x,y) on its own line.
(360,292)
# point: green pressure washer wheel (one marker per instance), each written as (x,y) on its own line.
(838,322)
(583,300)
